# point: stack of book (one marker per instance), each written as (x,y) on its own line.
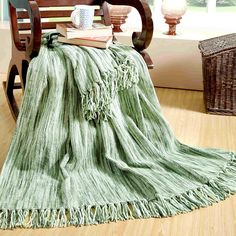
(99,36)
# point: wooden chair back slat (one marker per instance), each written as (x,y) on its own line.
(48,25)
(53,13)
(23,37)
(45,25)
(62,3)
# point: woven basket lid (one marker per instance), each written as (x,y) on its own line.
(217,44)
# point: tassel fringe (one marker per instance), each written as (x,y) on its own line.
(214,191)
(96,102)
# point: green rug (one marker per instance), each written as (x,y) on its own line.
(91,146)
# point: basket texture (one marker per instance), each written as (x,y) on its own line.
(219,74)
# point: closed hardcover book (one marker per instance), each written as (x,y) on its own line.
(71,32)
(97,42)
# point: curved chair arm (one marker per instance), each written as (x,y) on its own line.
(141,40)
(34,41)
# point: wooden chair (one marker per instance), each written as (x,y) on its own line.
(29,19)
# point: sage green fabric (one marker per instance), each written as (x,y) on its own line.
(91,146)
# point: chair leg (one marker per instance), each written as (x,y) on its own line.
(9,87)
(23,73)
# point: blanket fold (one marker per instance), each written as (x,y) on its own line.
(92,146)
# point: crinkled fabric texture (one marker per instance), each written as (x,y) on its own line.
(91,146)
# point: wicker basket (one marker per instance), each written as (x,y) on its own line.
(219,74)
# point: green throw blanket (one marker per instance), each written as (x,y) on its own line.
(91,146)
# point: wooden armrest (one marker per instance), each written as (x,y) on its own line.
(33,42)
(141,40)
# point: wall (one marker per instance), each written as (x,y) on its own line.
(5,47)
(177,61)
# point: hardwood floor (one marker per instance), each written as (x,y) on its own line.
(184,111)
